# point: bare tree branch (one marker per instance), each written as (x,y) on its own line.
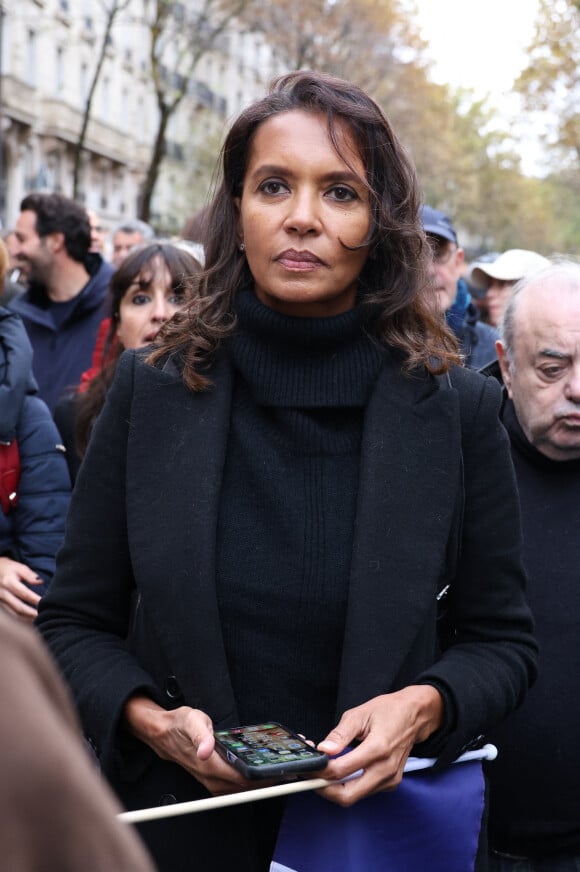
(112,11)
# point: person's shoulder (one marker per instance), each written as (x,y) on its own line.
(144,361)
(35,419)
(477,392)
(98,267)
(18,304)
(486,330)
(465,379)
(12,291)
(138,368)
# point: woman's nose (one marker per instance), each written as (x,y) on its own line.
(160,308)
(303,213)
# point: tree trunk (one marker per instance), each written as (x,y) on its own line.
(80,143)
(155,164)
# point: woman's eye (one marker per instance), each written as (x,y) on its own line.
(140,299)
(273,187)
(175,300)
(342,194)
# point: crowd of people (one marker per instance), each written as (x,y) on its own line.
(321,472)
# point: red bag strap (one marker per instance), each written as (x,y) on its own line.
(9,475)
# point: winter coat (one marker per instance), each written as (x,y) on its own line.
(149,488)
(476,339)
(33,530)
(62,353)
(55,812)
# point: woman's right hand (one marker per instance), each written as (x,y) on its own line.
(14,593)
(184,736)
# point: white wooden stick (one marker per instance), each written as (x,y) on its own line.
(163,811)
(488,752)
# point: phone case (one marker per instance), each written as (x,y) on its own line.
(280,762)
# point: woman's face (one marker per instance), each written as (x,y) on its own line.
(300,206)
(148,302)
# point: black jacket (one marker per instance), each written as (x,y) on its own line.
(141,539)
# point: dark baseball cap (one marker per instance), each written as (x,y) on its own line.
(438,224)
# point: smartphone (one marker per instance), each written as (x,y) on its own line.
(268,751)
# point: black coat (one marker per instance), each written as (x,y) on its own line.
(139,562)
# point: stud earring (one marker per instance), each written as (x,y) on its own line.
(242,246)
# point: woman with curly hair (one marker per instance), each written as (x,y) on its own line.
(273,500)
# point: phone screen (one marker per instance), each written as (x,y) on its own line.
(266,745)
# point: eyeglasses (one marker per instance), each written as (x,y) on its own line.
(441,250)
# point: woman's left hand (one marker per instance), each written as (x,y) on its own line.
(386,727)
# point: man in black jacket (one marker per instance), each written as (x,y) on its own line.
(535,792)
(476,339)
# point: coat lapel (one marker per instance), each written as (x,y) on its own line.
(181,438)
(409,473)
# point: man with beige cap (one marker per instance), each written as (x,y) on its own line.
(499,277)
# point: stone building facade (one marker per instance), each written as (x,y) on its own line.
(49,53)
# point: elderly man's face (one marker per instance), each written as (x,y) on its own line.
(445,269)
(543,378)
(123,242)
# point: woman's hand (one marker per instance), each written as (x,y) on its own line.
(14,594)
(387,727)
(184,736)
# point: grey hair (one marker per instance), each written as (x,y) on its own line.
(559,266)
(135,225)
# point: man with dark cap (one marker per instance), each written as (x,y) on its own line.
(476,339)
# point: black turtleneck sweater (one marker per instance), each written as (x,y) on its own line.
(535,783)
(288,501)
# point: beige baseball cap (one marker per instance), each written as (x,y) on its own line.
(510,266)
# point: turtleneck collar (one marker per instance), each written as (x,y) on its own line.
(304,362)
(524,447)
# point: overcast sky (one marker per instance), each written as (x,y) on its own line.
(483,47)
(479,45)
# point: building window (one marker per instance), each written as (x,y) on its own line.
(31,58)
(105,101)
(59,71)
(84,83)
(87,13)
(125,109)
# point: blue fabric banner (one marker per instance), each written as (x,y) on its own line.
(431,822)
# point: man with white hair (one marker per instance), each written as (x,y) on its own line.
(498,278)
(534,786)
(126,236)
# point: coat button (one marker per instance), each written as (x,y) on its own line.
(167,799)
(172,688)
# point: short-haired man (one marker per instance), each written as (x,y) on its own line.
(476,340)
(126,236)
(534,785)
(66,297)
(98,233)
(498,278)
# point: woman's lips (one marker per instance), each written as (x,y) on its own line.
(299,260)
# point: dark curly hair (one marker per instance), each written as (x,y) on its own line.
(394,280)
(56,213)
